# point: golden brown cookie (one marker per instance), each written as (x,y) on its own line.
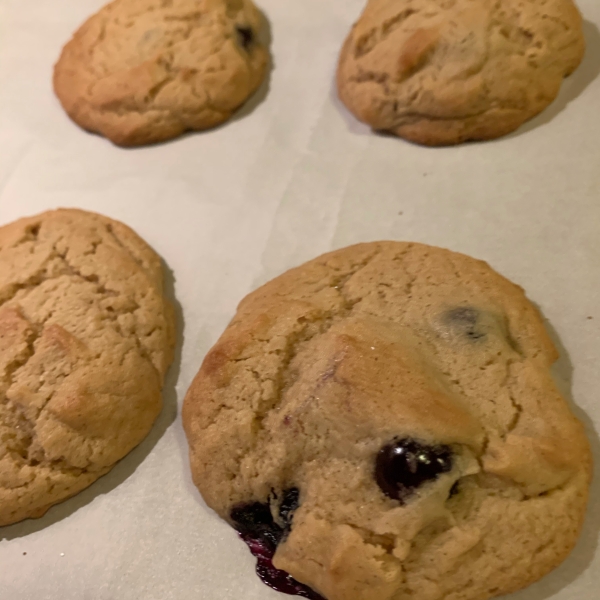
(440,72)
(86,337)
(381,423)
(144,71)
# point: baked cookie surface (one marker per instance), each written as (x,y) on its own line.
(144,71)
(86,337)
(441,72)
(382,423)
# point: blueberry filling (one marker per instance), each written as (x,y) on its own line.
(256,522)
(256,526)
(245,36)
(465,319)
(404,464)
(290,502)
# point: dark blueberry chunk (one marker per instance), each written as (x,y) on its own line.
(245,36)
(404,465)
(290,502)
(256,526)
(465,315)
(465,319)
(454,490)
(256,521)
(250,517)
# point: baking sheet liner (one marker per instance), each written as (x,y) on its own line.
(293,175)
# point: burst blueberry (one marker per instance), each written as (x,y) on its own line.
(256,526)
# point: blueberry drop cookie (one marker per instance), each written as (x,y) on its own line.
(86,337)
(144,71)
(381,423)
(441,72)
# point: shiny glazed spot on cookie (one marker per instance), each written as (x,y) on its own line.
(403,465)
(257,527)
(245,36)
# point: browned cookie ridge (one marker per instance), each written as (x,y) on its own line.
(86,337)
(381,423)
(144,71)
(441,72)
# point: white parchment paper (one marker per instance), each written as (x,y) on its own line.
(290,177)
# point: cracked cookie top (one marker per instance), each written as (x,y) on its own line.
(404,393)
(86,337)
(448,71)
(144,71)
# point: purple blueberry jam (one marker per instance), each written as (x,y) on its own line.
(279,580)
(256,526)
(404,464)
